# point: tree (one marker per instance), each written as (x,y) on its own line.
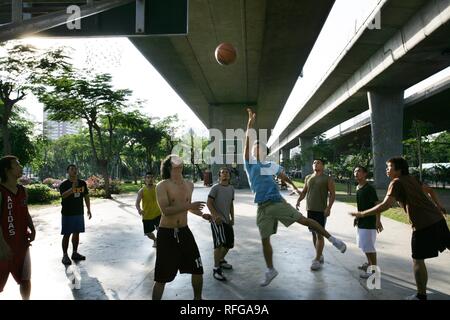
(21,69)
(81,94)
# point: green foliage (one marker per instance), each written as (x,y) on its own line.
(40,193)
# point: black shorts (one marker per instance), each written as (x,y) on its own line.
(428,242)
(317,216)
(176,250)
(151,225)
(223,235)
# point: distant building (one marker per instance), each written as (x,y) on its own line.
(55,129)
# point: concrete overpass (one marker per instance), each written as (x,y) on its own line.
(375,70)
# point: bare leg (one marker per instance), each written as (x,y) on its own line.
(372,258)
(197,285)
(25,289)
(421,275)
(65,243)
(75,241)
(158,290)
(320,243)
(267,250)
(151,236)
(315,226)
(217,256)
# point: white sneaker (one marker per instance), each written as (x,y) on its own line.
(339,244)
(412,297)
(365,275)
(316,265)
(268,277)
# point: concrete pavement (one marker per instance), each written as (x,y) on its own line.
(120,259)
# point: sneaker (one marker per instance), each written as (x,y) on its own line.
(340,245)
(66,261)
(413,297)
(316,265)
(365,275)
(218,274)
(268,277)
(322,260)
(364,266)
(225,265)
(77,257)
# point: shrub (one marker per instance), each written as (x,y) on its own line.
(40,193)
(24,181)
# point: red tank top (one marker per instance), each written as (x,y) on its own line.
(14,212)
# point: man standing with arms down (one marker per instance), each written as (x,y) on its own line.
(151,215)
(73,191)
(220,204)
(15,220)
(430,231)
(317,188)
(176,247)
(271,205)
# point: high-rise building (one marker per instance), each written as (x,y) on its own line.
(55,129)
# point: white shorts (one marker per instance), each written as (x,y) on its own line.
(366,240)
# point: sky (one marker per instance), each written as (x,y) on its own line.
(130,70)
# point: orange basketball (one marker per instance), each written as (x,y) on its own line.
(225,54)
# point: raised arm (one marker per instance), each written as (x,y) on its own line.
(283,177)
(378,209)
(250,125)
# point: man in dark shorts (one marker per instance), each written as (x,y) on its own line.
(220,204)
(430,231)
(176,249)
(73,191)
(318,188)
(16,227)
(151,214)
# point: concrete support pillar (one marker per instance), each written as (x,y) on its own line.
(306,144)
(285,155)
(227,131)
(386,108)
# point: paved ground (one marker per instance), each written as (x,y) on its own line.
(120,259)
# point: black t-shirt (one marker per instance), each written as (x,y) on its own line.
(366,198)
(73,204)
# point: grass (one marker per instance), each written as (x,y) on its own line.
(130,187)
(396,214)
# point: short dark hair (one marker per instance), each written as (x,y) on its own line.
(70,166)
(321,160)
(363,169)
(149,173)
(224,168)
(5,164)
(401,164)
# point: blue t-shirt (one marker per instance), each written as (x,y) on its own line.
(260,176)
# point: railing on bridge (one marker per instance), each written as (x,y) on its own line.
(16,11)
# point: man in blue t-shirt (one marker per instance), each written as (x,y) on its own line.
(271,205)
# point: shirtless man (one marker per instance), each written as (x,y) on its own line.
(176,248)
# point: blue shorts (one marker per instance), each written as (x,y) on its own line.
(72,224)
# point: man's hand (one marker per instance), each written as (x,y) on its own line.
(31,236)
(327,212)
(297,206)
(89,214)
(251,118)
(356,214)
(379,226)
(207,216)
(232,222)
(197,206)
(217,219)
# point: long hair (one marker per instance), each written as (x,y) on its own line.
(5,164)
(166,166)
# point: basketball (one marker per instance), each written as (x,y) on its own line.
(225,54)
